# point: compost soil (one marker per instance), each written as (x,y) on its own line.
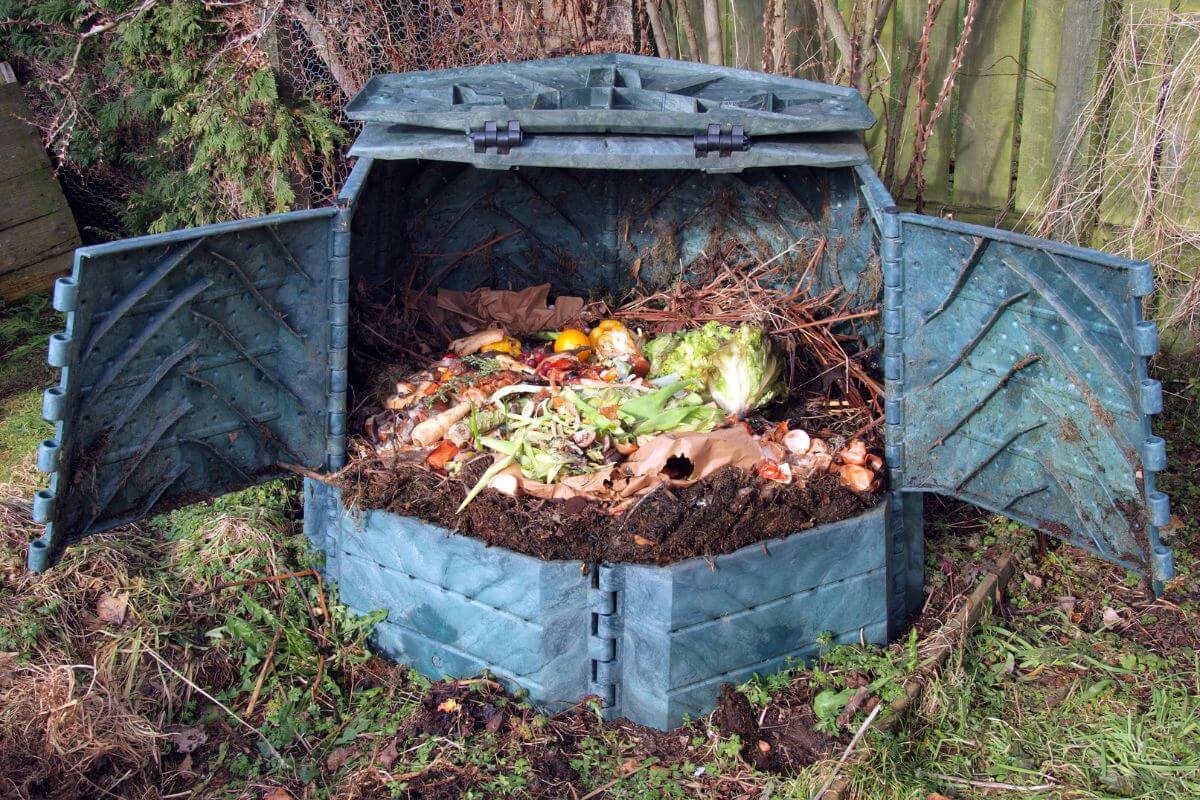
(720,514)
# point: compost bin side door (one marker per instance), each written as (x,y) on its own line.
(1022,385)
(193,362)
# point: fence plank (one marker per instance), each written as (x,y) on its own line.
(1035,156)
(986,114)
(909,19)
(1078,72)
(1131,117)
(1187,139)
(746,20)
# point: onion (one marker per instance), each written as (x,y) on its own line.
(856,478)
(625,448)
(855,453)
(504,484)
(797,442)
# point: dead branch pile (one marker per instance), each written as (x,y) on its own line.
(735,285)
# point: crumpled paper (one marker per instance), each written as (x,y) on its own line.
(646,469)
(521,312)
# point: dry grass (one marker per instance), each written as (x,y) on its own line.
(1137,144)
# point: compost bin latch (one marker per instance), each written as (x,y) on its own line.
(503,140)
(724,143)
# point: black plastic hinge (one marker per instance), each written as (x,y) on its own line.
(503,140)
(714,141)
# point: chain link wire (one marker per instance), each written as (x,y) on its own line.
(328,49)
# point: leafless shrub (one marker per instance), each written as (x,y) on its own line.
(1132,186)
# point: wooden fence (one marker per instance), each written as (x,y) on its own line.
(1030,69)
(37,231)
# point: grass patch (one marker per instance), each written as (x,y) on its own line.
(1083,684)
(24,330)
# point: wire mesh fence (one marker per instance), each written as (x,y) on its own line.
(322,50)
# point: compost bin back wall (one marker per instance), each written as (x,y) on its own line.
(600,233)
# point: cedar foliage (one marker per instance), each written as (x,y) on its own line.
(173,94)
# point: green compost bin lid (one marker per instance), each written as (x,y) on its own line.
(613,93)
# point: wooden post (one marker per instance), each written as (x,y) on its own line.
(37,229)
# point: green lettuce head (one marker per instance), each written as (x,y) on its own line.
(686,354)
(745,372)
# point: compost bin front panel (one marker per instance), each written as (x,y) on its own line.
(193,362)
(1024,389)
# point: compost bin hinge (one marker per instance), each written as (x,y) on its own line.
(724,143)
(503,140)
(604,602)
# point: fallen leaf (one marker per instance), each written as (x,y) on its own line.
(448,706)
(495,722)
(856,701)
(936,796)
(642,541)
(337,758)
(389,754)
(1067,604)
(764,745)
(188,740)
(277,794)
(628,767)
(1111,617)
(112,608)
(1033,580)
(185,766)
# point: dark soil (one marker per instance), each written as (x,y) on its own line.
(787,739)
(720,514)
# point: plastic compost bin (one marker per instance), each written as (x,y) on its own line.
(194,362)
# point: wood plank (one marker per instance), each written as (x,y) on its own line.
(36,240)
(910,17)
(877,101)
(986,114)
(1186,138)
(37,277)
(746,34)
(27,197)
(1035,155)
(1131,115)
(21,151)
(1078,72)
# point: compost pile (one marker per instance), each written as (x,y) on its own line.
(678,424)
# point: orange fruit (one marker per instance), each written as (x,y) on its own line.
(575,340)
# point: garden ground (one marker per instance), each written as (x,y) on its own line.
(155,660)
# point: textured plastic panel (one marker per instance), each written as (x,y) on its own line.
(654,643)
(601,151)
(192,362)
(582,231)
(609,93)
(456,606)
(690,627)
(1023,385)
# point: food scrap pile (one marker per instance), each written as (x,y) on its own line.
(606,412)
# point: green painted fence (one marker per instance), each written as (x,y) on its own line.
(1029,71)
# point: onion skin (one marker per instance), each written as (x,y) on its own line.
(856,478)
(854,453)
